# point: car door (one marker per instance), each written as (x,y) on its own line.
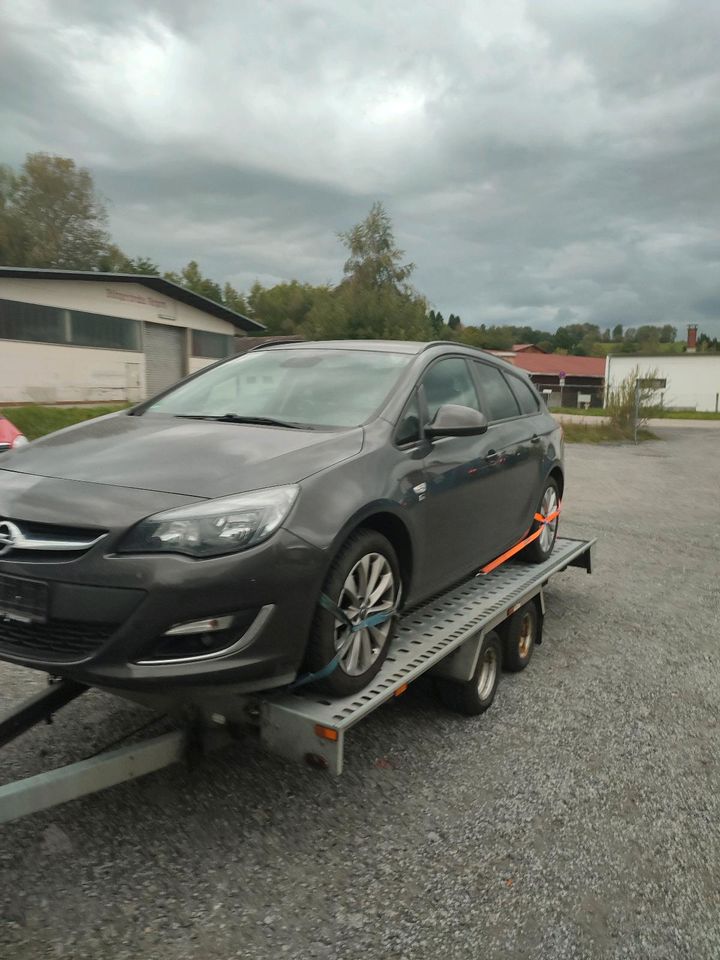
(514,486)
(458,517)
(538,425)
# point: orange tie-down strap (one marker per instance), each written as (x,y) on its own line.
(494,564)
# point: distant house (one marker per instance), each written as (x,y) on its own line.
(692,380)
(73,336)
(527,348)
(583,377)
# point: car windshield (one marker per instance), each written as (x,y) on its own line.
(300,387)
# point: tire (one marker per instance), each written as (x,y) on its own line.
(475,696)
(520,636)
(369,555)
(540,549)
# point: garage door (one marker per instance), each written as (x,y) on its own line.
(165,356)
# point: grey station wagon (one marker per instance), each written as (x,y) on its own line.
(267,518)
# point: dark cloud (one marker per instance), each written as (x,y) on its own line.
(543,163)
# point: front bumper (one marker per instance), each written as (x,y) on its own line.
(119,606)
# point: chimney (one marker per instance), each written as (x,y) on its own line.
(692,338)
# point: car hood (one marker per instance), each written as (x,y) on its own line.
(195,458)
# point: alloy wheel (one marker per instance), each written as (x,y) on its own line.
(547,531)
(370,588)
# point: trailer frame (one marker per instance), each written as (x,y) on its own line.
(442,636)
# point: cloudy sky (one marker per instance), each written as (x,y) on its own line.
(544,162)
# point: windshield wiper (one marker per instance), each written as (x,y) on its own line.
(237,418)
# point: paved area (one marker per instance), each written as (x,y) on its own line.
(579,818)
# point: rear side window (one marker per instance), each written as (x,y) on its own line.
(526,396)
(498,399)
(449,381)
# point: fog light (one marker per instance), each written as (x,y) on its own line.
(210,625)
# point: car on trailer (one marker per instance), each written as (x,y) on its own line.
(264,522)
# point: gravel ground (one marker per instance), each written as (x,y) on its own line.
(578,818)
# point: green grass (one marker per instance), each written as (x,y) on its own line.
(686,415)
(579,412)
(35,421)
(658,414)
(601,433)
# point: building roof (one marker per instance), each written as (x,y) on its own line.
(554,364)
(532,347)
(158,284)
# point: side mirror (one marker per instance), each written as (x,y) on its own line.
(453,420)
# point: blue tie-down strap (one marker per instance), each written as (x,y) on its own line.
(374,620)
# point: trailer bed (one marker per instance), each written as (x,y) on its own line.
(443,635)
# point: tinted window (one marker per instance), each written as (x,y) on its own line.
(33,321)
(215,345)
(333,388)
(30,321)
(498,398)
(525,395)
(408,428)
(96,330)
(449,381)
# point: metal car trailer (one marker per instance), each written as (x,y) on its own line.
(443,636)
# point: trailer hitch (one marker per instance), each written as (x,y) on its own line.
(38,708)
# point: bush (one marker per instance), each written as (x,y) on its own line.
(622,407)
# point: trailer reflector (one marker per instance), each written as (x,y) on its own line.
(327,733)
(400,690)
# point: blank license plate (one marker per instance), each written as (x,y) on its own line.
(23,600)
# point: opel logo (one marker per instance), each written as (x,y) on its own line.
(9,536)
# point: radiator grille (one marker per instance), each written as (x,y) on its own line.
(58,640)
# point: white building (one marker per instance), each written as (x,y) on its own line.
(82,337)
(692,379)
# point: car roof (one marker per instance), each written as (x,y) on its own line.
(409,347)
(383,346)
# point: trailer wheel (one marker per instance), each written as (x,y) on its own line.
(520,637)
(475,696)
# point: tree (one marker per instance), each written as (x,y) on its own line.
(191,277)
(617,333)
(283,308)
(436,323)
(54,214)
(113,260)
(234,300)
(144,266)
(455,323)
(7,234)
(375,260)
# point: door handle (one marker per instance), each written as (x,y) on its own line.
(491,456)
(534,438)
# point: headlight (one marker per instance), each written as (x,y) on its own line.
(215,527)
(19,441)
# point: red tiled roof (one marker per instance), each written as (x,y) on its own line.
(553,364)
(532,347)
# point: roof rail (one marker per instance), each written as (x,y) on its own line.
(452,343)
(273,343)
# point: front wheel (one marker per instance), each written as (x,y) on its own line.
(363,583)
(540,549)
